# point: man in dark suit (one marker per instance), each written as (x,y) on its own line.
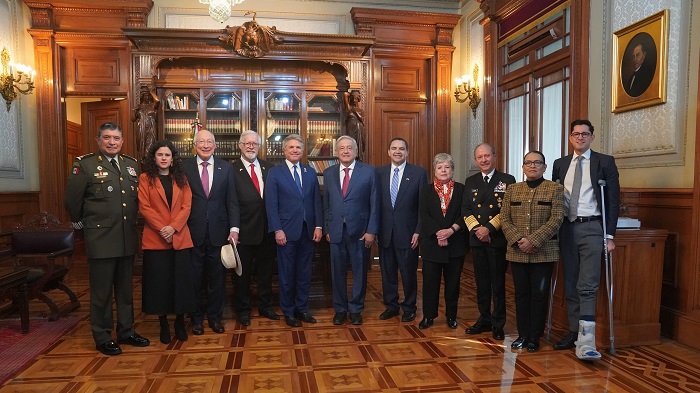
(351,203)
(295,215)
(643,73)
(257,246)
(400,183)
(214,220)
(581,234)
(101,198)
(481,209)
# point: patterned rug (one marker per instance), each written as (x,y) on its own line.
(17,350)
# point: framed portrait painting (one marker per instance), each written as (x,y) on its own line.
(640,63)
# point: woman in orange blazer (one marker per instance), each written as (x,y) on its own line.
(165,201)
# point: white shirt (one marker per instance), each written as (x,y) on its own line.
(587,204)
(342,172)
(258,172)
(290,165)
(401,167)
(210,169)
(490,174)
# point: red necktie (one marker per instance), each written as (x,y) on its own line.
(346,181)
(254,176)
(205,178)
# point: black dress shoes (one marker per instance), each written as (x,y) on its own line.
(339,318)
(533,345)
(519,343)
(136,340)
(197,330)
(478,327)
(109,348)
(269,314)
(568,342)
(217,327)
(451,323)
(388,314)
(408,317)
(425,323)
(292,322)
(498,334)
(244,319)
(180,331)
(305,317)
(355,318)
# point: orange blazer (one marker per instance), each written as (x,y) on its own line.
(154,207)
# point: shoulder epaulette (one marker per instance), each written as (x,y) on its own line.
(85,156)
(129,157)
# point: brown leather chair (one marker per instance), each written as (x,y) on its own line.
(45,246)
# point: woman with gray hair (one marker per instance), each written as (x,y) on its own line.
(442,242)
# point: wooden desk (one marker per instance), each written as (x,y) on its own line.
(637,273)
(13,285)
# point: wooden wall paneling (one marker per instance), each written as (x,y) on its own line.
(15,208)
(96,70)
(407,121)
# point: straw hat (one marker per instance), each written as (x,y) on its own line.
(230,258)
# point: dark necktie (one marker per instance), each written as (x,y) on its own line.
(486,179)
(297,180)
(346,181)
(115,165)
(254,177)
(576,189)
(205,179)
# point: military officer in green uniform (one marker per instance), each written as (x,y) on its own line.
(101,199)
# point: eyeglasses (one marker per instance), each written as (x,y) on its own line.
(249,144)
(533,163)
(583,134)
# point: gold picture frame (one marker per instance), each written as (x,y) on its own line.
(640,63)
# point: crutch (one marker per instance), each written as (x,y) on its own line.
(552,288)
(608,268)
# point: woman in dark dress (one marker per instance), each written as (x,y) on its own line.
(443,243)
(164,201)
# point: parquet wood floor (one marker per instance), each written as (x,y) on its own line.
(379,356)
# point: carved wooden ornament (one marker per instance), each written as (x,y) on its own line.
(251,39)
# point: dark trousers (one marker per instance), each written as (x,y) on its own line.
(294,265)
(107,274)
(393,260)
(258,259)
(581,245)
(349,253)
(432,273)
(532,283)
(490,275)
(208,274)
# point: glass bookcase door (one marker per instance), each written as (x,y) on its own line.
(282,118)
(180,112)
(323,127)
(223,119)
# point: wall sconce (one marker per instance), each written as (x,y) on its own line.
(25,78)
(472,93)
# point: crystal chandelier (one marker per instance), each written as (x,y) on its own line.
(220,10)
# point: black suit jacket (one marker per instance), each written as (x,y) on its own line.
(253,214)
(432,221)
(482,206)
(602,168)
(401,220)
(642,80)
(220,211)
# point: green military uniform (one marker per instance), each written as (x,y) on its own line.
(104,200)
